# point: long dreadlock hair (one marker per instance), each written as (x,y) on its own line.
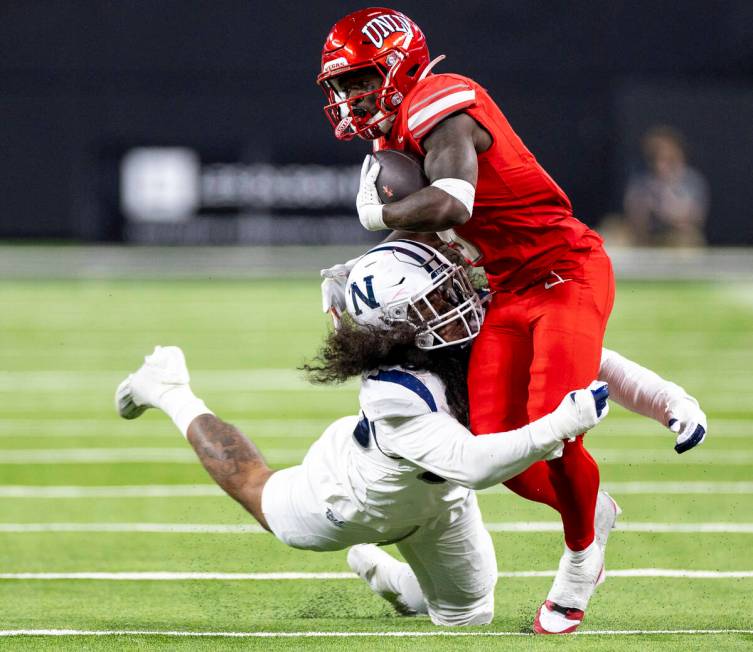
(353,349)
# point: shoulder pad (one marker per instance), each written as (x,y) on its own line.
(387,393)
(435,98)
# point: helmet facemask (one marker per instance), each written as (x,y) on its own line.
(385,40)
(446,313)
(349,120)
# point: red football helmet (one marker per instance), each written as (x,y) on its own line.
(382,39)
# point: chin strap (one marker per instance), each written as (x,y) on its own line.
(385,124)
(432,63)
(341,130)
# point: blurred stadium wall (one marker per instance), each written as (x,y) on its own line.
(199,123)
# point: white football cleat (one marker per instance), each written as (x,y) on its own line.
(605,518)
(382,573)
(577,578)
(163,370)
(574,584)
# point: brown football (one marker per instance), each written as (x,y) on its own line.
(400,175)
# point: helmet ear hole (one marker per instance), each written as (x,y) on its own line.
(394,100)
(411,72)
(424,340)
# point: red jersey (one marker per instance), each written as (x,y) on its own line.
(522,225)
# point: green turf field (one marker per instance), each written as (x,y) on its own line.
(84,492)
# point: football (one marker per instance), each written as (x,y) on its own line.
(400,175)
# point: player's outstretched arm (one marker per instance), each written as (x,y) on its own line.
(642,391)
(438,443)
(232,460)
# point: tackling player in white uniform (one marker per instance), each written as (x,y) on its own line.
(403,470)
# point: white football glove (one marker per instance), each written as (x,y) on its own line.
(684,417)
(581,410)
(333,288)
(643,391)
(369,206)
(165,369)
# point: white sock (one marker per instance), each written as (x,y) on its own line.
(577,556)
(576,577)
(180,404)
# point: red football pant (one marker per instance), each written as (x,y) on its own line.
(533,348)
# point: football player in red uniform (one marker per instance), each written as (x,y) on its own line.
(552,281)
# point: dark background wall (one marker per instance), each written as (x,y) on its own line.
(82,81)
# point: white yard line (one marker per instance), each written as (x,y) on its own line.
(123,491)
(610,431)
(157,528)
(649,487)
(248,528)
(96,455)
(694,528)
(263,380)
(645,456)
(175,455)
(185,455)
(679,487)
(167,576)
(278,428)
(390,634)
(226,380)
(198,490)
(276,379)
(117,428)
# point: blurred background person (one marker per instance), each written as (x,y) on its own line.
(667,203)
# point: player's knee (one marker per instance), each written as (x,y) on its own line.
(481,615)
(477,612)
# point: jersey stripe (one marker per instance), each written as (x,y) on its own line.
(427,117)
(409,381)
(415,105)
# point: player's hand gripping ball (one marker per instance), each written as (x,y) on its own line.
(400,175)
(386,176)
(369,207)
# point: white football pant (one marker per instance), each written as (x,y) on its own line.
(451,560)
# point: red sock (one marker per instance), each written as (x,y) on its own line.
(570,485)
(575,477)
(534,484)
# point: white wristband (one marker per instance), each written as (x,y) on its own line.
(371,217)
(461,190)
(182,407)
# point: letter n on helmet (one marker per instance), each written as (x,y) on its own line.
(369,299)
